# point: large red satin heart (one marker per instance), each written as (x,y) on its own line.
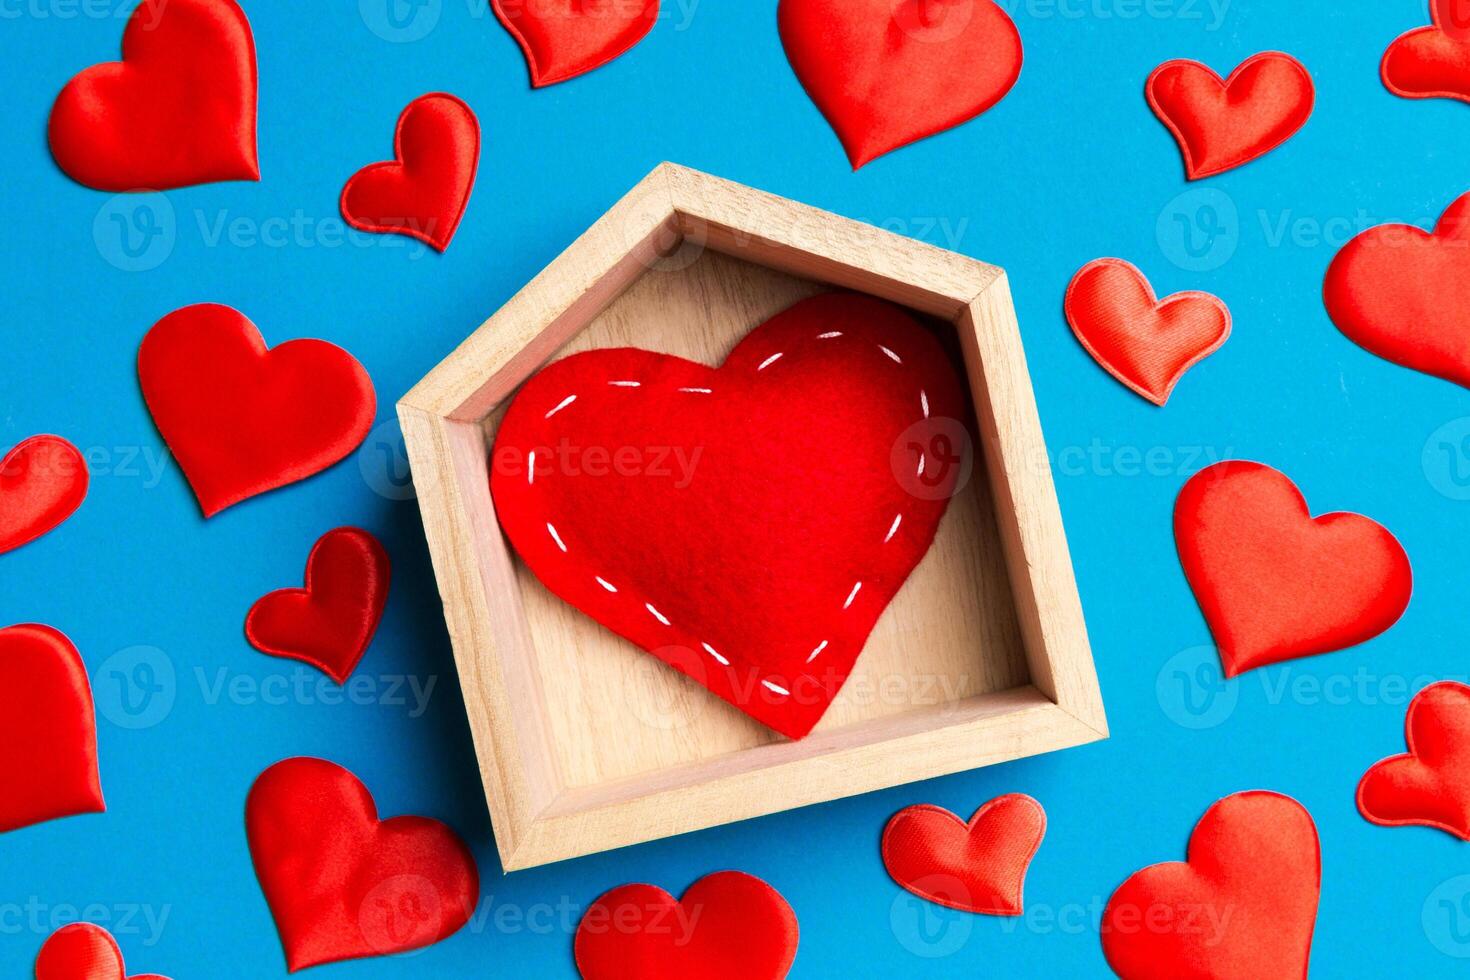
(48,768)
(887,73)
(242,419)
(566,38)
(1243,907)
(82,951)
(1143,341)
(1220,123)
(1432,62)
(979,866)
(1275,584)
(1430,784)
(179,109)
(728,926)
(424,191)
(1404,294)
(43,480)
(746,524)
(343,885)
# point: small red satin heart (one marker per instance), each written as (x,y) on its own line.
(1144,342)
(82,951)
(566,38)
(1430,784)
(424,191)
(242,419)
(49,766)
(978,866)
(343,885)
(43,481)
(1220,123)
(1273,582)
(1243,907)
(179,109)
(887,73)
(330,622)
(1432,62)
(728,926)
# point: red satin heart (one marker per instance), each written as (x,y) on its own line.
(566,38)
(728,926)
(1432,62)
(1430,785)
(1404,294)
(1243,908)
(43,481)
(1144,342)
(1220,123)
(242,419)
(330,623)
(340,883)
(887,73)
(424,191)
(1276,584)
(746,524)
(179,109)
(978,866)
(82,951)
(48,768)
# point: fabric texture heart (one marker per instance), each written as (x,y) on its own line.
(979,866)
(43,481)
(331,621)
(179,109)
(1243,907)
(887,73)
(1220,123)
(746,524)
(1432,62)
(49,767)
(340,883)
(424,190)
(242,419)
(1144,342)
(728,926)
(1273,582)
(82,951)
(566,38)
(1429,786)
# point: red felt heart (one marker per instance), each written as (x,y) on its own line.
(1276,584)
(978,866)
(424,191)
(340,883)
(1432,62)
(242,419)
(566,38)
(746,524)
(728,926)
(49,766)
(82,951)
(1430,785)
(179,108)
(1404,294)
(330,623)
(1242,908)
(1221,124)
(887,73)
(1144,342)
(43,480)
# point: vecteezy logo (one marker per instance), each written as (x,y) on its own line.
(927,930)
(400,21)
(1446,917)
(135,232)
(1193,692)
(383,461)
(1199,230)
(1447,459)
(400,910)
(136,687)
(933,458)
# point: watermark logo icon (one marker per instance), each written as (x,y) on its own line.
(136,687)
(401,21)
(1192,690)
(382,460)
(1199,230)
(1446,917)
(135,232)
(934,458)
(927,930)
(1446,459)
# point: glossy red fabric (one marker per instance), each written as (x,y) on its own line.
(179,109)
(331,621)
(1273,582)
(1243,907)
(43,481)
(242,419)
(979,866)
(745,524)
(1221,124)
(82,951)
(1143,341)
(1429,785)
(48,768)
(887,73)
(1432,62)
(566,38)
(340,883)
(728,926)
(424,190)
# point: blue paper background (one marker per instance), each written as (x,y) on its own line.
(1069,167)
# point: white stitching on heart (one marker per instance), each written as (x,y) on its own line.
(715,653)
(656,614)
(924,401)
(817,652)
(605,583)
(776,688)
(896,358)
(852,595)
(556,537)
(698,391)
(564,403)
(625,384)
(894,529)
(771,360)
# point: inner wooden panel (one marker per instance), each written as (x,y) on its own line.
(615,712)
